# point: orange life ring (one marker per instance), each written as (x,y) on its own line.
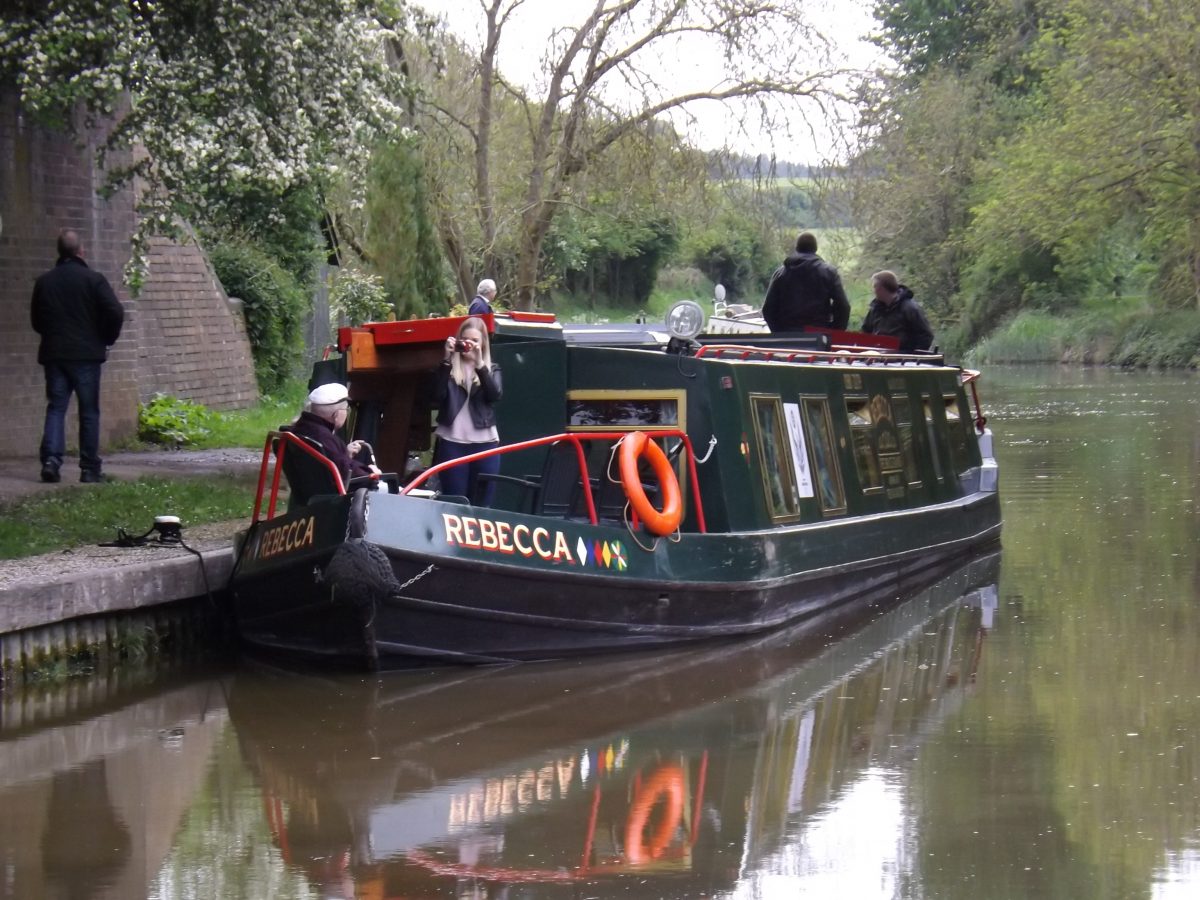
(665,784)
(633,446)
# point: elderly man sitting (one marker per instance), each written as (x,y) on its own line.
(324,413)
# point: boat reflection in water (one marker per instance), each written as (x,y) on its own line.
(682,775)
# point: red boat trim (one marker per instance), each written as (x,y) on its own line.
(279,441)
(575,439)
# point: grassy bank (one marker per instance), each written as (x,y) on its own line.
(171,422)
(1102,337)
(75,516)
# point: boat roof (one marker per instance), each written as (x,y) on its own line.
(815,346)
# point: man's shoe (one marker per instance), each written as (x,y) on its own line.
(91,478)
(50,473)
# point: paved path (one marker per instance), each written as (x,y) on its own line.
(78,581)
(20,476)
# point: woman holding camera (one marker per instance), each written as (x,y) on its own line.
(466,386)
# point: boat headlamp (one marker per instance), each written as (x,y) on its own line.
(685,319)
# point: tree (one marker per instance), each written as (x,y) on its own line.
(204,93)
(400,238)
(912,185)
(600,88)
(1113,149)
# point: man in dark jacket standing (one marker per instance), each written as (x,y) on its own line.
(79,317)
(806,290)
(894,312)
(481,305)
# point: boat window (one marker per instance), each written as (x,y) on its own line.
(862,426)
(824,459)
(774,457)
(878,445)
(956,426)
(902,410)
(604,410)
(936,441)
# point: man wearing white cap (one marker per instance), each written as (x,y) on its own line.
(324,413)
(484,295)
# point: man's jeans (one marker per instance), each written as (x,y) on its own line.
(83,380)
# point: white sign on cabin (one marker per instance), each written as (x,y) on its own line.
(804,482)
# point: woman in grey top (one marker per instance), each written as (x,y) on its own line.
(466,386)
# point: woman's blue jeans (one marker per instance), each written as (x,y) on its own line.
(462,481)
(83,380)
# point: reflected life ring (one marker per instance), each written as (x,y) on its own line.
(666,784)
(634,446)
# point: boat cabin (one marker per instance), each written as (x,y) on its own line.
(785,429)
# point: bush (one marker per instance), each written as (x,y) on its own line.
(275,304)
(360,297)
(169,420)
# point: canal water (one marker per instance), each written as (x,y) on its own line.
(1028,726)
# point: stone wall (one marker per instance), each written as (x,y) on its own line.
(191,342)
(180,336)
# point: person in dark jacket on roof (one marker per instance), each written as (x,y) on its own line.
(894,312)
(806,290)
(78,317)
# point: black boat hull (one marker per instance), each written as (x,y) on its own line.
(388,581)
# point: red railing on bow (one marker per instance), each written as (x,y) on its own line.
(277,444)
(575,440)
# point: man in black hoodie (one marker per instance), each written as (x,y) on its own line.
(806,290)
(894,312)
(79,317)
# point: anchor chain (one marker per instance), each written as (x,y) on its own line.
(429,568)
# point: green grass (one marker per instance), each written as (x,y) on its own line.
(239,428)
(248,427)
(74,516)
(1105,336)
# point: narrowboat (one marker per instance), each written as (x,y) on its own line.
(658,486)
(639,775)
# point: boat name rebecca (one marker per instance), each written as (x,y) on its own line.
(287,538)
(504,537)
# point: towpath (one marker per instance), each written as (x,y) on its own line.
(89,580)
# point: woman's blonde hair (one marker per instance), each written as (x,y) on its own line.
(485,350)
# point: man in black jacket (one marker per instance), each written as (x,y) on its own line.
(806,290)
(79,317)
(894,312)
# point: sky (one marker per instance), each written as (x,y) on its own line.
(711,124)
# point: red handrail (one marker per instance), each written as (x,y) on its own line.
(279,441)
(575,439)
(970,376)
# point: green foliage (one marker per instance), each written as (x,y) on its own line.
(274,304)
(1053,171)
(615,259)
(360,297)
(282,223)
(925,34)
(1112,336)
(1028,337)
(169,420)
(733,252)
(1169,340)
(402,244)
(89,515)
(248,427)
(206,94)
